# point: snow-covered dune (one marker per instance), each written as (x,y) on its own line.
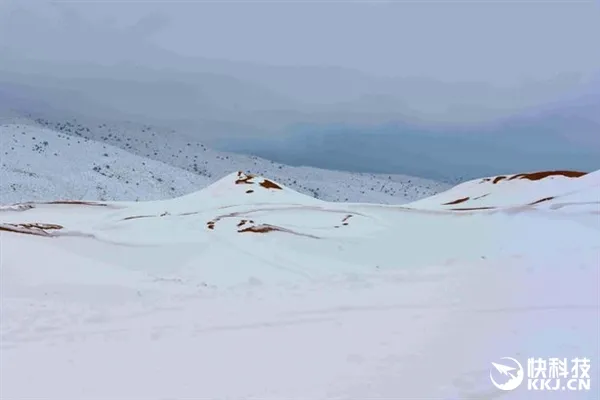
(545,189)
(249,289)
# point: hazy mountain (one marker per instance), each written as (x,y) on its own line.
(565,137)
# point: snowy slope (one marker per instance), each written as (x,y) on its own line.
(552,189)
(41,164)
(248,289)
(134,151)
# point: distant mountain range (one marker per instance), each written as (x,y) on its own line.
(562,135)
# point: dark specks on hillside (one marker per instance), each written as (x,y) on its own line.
(183,150)
(61,165)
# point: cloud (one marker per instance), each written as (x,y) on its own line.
(449,64)
(150,25)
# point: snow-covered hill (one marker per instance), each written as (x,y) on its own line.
(552,189)
(249,289)
(42,164)
(44,161)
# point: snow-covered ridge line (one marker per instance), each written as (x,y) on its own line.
(40,164)
(254,204)
(545,189)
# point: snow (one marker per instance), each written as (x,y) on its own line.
(174,298)
(555,190)
(69,160)
(41,164)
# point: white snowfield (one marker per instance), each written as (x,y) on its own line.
(247,289)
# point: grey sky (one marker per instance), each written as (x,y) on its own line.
(443,61)
(454,40)
(494,41)
(523,75)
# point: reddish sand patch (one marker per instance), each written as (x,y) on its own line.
(541,200)
(536,176)
(17,207)
(260,229)
(82,203)
(137,217)
(211,224)
(30,228)
(267,184)
(498,179)
(265,228)
(245,214)
(164,214)
(188,213)
(247,180)
(40,226)
(472,208)
(30,205)
(458,201)
(244,178)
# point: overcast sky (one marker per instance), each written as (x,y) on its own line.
(493,41)
(468,61)
(449,63)
(452,40)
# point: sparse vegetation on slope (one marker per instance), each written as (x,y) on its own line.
(108,162)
